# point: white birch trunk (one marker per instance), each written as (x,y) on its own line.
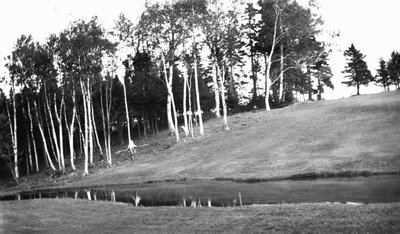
(45,147)
(268,82)
(60,132)
(199,112)
(71,131)
(185,83)
(53,130)
(282,65)
(108,108)
(89,119)
(86,127)
(127,119)
(216,90)
(13,130)
(171,125)
(222,89)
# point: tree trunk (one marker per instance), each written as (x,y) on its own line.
(108,125)
(144,125)
(60,131)
(89,122)
(53,130)
(86,126)
(358,88)
(71,130)
(190,113)
(281,63)
(268,82)
(103,121)
(156,120)
(96,136)
(29,159)
(32,136)
(168,83)
(216,90)
(171,72)
(268,60)
(13,130)
(185,84)
(127,116)
(222,89)
(199,112)
(281,76)
(45,148)
(319,90)
(254,77)
(175,119)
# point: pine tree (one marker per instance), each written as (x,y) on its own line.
(356,68)
(382,75)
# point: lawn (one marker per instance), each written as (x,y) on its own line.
(355,134)
(82,216)
(352,135)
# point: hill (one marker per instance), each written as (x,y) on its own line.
(357,134)
(353,136)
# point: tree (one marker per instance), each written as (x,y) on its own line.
(162,26)
(222,37)
(383,75)
(124,28)
(393,68)
(251,27)
(5,137)
(86,45)
(283,25)
(322,72)
(356,69)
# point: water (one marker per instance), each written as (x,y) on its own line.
(375,189)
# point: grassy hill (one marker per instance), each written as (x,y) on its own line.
(357,134)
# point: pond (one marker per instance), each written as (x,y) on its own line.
(374,189)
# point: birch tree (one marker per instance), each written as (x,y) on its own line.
(162,26)
(222,39)
(87,45)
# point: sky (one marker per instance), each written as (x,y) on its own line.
(371,25)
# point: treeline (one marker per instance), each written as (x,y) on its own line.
(181,62)
(358,74)
(388,73)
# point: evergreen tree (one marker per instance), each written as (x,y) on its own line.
(356,68)
(382,75)
(393,69)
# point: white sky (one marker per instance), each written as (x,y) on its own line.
(371,25)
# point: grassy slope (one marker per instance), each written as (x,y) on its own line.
(354,134)
(82,216)
(357,134)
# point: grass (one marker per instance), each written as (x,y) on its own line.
(82,216)
(356,136)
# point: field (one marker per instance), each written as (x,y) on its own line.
(82,216)
(348,137)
